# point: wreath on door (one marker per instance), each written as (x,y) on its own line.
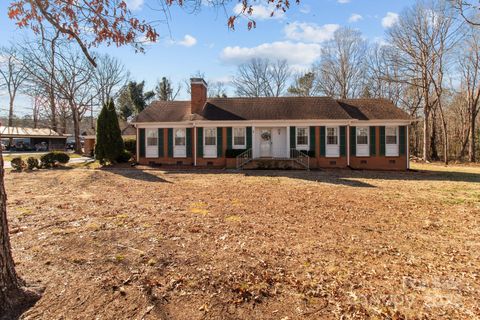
(266,136)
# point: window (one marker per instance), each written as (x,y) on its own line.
(152,137)
(180,139)
(391,135)
(302,137)
(332,136)
(239,138)
(362,136)
(210,136)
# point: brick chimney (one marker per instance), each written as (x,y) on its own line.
(199,94)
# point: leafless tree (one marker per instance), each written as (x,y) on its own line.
(469,10)
(109,76)
(342,67)
(469,65)
(262,78)
(13,75)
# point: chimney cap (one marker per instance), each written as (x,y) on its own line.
(198,81)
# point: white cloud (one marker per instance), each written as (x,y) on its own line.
(305,9)
(355,17)
(188,41)
(261,12)
(134,4)
(310,32)
(297,54)
(390,19)
(343,1)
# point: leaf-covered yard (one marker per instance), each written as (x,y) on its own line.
(133,244)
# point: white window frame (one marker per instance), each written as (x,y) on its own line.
(209,151)
(362,150)
(239,146)
(392,149)
(332,150)
(302,146)
(179,150)
(151,151)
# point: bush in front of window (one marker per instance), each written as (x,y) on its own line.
(233,153)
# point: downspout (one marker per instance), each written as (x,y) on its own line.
(195,144)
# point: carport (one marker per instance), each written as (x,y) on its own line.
(34,136)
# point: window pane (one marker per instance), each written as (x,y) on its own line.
(152,138)
(302,136)
(332,137)
(180,139)
(362,135)
(210,136)
(239,136)
(391,135)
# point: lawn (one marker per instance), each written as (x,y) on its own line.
(133,244)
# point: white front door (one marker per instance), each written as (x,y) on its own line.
(151,150)
(266,143)
(209,142)
(179,143)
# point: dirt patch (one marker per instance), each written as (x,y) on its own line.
(133,244)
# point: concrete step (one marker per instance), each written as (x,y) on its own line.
(282,164)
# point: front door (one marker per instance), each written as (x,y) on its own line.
(266,143)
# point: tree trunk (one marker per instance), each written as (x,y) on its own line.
(53,109)
(76,130)
(14,297)
(472,145)
(426,136)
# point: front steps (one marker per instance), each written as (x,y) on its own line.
(272,164)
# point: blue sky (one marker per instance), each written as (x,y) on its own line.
(202,42)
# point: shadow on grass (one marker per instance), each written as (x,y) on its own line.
(136,174)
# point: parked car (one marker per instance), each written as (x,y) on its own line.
(21,146)
(70,145)
(42,146)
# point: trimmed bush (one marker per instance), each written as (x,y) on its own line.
(109,142)
(131,145)
(18,164)
(125,156)
(233,153)
(33,163)
(51,159)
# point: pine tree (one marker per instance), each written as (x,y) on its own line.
(109,143)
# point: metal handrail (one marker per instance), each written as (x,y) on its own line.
(300,157)
(244,158)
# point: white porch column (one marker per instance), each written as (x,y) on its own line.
(289,153)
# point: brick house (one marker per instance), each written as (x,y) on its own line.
(304,132)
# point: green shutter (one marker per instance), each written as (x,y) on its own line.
(382,141)
(200,142)
(141,140)
(249,137)
(402,144)
(229,138)
(219,142)
(293,143)
(189,142)
(343,149)
(323,141)
(373,141)
(170,143)
(160,142)
(312,139)
(353,141)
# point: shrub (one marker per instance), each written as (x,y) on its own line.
(33,163)
(51,159)
(233,153)
(18,164)
(131,145)
(109,142)
(61,157)
(125,156)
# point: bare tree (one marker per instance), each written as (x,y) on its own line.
(304,85)
(110,76)
(342,67)
(469,65)
(469,10)
(13,74)
(262,78)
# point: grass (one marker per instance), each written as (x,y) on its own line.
(249,245)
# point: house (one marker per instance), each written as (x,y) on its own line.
(32,139)
(89,136)
(310,132)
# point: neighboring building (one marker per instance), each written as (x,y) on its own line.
(128,132)
(313,132)
(31,139)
